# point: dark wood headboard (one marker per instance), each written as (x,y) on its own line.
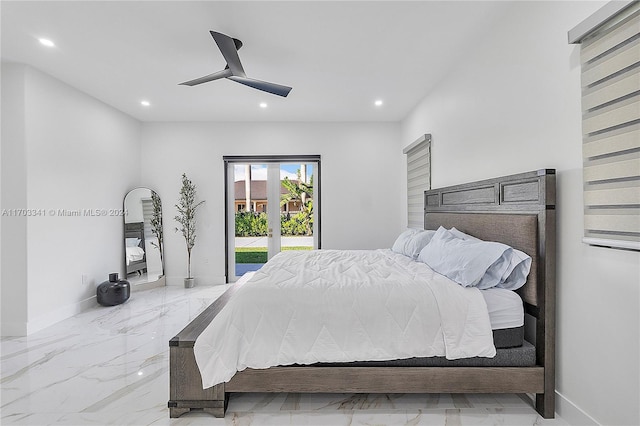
(518,210)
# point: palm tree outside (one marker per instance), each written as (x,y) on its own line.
(297,216)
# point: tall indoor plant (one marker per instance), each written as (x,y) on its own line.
(156,225)
(186,218)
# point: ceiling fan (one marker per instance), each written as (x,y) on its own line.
(233,71)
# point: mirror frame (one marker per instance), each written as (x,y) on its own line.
(138,230)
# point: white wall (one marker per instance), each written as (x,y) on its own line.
(13,291)
(361,168)
(81,155)
(513,105)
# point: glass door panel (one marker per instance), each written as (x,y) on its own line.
(297,206)
(270,208)
(247,208)
(273,210)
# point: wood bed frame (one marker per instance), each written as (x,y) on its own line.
(518,210)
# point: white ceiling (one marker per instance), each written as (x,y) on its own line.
(338,56)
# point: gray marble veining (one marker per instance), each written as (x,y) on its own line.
(109,366)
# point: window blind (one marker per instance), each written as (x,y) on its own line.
(418,179)
(147,214)
(610,65)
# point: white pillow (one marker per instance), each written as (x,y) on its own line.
(417,242)
(514,263)
(132,242)
(411,241)
(519,265)
(462,235)
(401,241)
(464,261)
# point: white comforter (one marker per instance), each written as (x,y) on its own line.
(304,307)
(134,254)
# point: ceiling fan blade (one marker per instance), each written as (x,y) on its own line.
(234,71)
(215,76)
(229,50)
(276,89)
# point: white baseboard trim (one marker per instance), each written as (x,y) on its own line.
(50,318)
(571,413)
(160,282)
(21,329)
(200,281)
(13,329)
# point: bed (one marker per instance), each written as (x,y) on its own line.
(135,256)
(517,210)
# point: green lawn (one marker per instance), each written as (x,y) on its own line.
(259,254)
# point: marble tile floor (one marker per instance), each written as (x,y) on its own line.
(109,366)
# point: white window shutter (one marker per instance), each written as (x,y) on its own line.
(610,64)
(418,179)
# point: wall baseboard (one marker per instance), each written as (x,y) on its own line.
(21,329)
(200,281)
(13,329)
(160,282)
(59,314)
(571,413)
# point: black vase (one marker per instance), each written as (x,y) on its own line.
(114,291)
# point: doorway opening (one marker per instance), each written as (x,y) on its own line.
(272,204)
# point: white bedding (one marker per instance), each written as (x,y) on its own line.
(505,308)
(304,307)
(133,254)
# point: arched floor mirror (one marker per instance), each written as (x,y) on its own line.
(143,239)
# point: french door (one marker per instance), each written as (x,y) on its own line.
(272,203)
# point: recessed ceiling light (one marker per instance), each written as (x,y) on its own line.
(46,42)
(263,105)
(378,102)
(145,103)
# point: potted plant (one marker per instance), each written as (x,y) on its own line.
(156,225)
(186,218)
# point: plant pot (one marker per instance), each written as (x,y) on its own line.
(189,282)
(114,291)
